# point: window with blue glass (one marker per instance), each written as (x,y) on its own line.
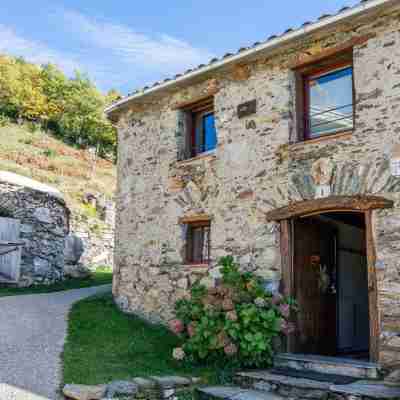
(329,101)
(200,128)
(205,134)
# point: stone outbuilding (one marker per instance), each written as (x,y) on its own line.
(34,222)
(286,155)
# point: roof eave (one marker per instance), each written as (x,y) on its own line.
(263,47)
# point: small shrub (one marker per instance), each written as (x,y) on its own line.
(89,211)
(50,153)
(28,140)
(32,126)
(234,323)
(4,120)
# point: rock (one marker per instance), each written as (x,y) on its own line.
(73,249)
(393,379)
(76,271)
(122,302)
(26,228)
(42,214)
(101,258)
(167,382)
(144,383)
(85,392)
(25,282)
(122,388)
(41,266)
(182,283)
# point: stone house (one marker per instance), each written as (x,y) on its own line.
(286,155)
(34,222)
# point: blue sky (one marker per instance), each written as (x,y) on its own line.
(126,44)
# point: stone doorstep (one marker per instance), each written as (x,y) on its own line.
(235,393)
(374,391)
(328,365)
(265,376)
(371,389)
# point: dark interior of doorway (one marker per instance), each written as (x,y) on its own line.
(331,285)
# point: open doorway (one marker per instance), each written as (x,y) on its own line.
(330,283)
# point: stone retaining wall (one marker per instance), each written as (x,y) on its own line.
(97,235)
(44,222)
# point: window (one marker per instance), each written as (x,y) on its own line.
(198,243)
(200,128)
(328,101)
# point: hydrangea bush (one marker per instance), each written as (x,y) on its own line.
(235,322)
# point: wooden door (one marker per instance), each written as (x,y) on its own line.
(10,250)
(314,275)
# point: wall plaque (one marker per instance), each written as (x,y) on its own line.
(246,109)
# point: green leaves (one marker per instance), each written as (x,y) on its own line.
(241,336)
(71,107)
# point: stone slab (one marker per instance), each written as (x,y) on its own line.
(369,390)
(235,393)
(329,365)
(171,381)
(285,380)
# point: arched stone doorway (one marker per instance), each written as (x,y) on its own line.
(309,255)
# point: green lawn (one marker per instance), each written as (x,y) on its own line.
(104,344)
(101,276)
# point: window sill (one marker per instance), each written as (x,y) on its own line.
(340,135)
(203,156)
(194,265)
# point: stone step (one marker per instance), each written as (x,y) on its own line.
(234,393)
(328,365)
(290,387)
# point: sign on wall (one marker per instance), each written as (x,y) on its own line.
(246,109)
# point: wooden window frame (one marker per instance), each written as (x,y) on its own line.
(303,76)
(195,112)
(189,251)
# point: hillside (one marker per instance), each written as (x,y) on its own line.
(33,153)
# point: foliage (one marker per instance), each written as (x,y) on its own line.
(71,107)
(234,323)
(4,120)
(50,153)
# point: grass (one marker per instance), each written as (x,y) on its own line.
(104,344)
(101,276)
(41,156)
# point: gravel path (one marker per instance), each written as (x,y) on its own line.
(32,334)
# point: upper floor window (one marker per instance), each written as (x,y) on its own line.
(201,134)
(328,101)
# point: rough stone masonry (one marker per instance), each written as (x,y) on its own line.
(259,165)
(44,225)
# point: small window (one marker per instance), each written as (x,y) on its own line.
(328,101)
(200,128)
(198,243)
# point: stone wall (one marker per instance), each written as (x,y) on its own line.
(257,167)
(97,235)
(44,220)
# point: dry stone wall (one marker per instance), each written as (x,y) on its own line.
(257,167)
(44,225)
(97,236)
